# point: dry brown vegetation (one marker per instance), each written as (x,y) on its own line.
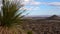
(43,26)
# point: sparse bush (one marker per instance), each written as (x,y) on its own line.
(29,32)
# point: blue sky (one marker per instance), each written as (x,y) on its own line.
(48,0)
(43,7)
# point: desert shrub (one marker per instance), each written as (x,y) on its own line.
(29,32)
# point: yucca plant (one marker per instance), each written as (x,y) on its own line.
(10,19)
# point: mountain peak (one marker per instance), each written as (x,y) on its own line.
(54,17)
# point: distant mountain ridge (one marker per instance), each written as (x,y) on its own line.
(39,16)
(54,17)
(43,17)
(36,17)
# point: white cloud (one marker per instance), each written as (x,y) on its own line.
(52,3)
(31,2)
(36,3)
(33,8)
(26,0)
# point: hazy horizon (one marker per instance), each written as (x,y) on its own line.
(39,15)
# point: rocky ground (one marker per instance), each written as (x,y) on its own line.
(42,26)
